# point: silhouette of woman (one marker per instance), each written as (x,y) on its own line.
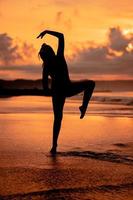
(55,66)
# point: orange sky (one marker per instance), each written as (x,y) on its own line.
(81,21)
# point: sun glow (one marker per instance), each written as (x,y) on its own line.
(130,47)
(85,25)
(127,31)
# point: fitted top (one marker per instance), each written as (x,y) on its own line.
(58,71)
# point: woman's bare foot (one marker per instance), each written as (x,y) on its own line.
(82,111)
(53,151)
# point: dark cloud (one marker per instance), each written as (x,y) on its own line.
(118,41)
(27,50)
(11,53)
(115,58)
(8,51)
(103,66)
(110,59)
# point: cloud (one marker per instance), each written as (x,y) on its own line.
(11,53)
(112,59)
(27,51)
(17,58)
(118,41)
(8,51)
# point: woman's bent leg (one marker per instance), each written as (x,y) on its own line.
(86,98)
(79,86)
(58,104)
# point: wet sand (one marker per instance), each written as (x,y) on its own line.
(40,176)
(95,159)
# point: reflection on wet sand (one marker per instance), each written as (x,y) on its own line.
(94,160)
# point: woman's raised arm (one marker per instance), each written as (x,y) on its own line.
(60,36)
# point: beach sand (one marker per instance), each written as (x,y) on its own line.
(95,159)
(66,178)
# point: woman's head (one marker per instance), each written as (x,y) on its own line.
(46,53)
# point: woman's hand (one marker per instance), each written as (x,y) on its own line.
(42,34)
(54,33)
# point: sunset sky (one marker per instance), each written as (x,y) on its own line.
(98,37)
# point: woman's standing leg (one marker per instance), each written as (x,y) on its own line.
(58,104)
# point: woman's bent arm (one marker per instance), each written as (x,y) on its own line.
(60,36)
